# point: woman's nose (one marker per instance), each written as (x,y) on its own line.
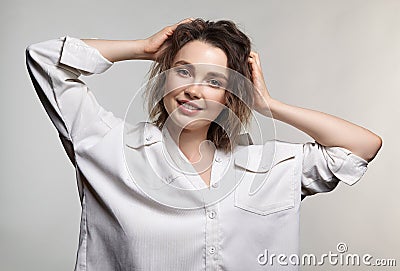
(194,91)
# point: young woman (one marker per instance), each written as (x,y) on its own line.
(187,191)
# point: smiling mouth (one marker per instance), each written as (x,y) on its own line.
(189,106)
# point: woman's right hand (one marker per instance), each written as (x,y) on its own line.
(119,50)
(153,45)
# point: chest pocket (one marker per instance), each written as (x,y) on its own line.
(266,178)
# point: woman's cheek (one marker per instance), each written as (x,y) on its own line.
(214,108)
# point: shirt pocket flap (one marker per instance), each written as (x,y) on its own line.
(261,158)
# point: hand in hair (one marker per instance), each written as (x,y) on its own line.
(154,44)
(262,97)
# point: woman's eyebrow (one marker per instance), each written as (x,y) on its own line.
(183,62)
(192,66)
(218,74)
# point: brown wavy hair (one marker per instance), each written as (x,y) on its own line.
(222,34)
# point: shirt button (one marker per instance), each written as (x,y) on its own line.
(212,214)
(211,250)
(218,160)
(215,185)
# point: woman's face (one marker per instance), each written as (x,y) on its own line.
(195,85)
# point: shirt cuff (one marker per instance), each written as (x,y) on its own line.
(79,55)
(346,166)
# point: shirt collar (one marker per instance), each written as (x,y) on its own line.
(145,134)
(141,134)
(255,158)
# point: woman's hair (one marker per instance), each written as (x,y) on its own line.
(237,47)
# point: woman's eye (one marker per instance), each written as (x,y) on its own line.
(214,83)
(183,72)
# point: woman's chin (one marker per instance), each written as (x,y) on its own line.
(189,125)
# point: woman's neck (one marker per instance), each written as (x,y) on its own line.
(192,143)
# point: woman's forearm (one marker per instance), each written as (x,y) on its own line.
(328,130)
(149,48)
(119,50)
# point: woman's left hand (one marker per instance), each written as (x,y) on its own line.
(154,44)
(325,129)
(262,98)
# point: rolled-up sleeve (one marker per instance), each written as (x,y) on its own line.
(54,67)
(324,167)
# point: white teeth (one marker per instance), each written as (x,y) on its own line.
(188,106)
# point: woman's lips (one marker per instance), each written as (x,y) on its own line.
(188,108)
(190,104)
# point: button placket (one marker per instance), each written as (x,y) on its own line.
(216,171)
(212,237)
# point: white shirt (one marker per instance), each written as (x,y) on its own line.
(140,212)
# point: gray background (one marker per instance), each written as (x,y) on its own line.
(339,57)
